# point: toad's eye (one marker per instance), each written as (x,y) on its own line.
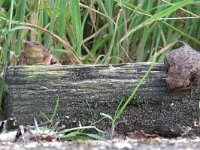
(26,44)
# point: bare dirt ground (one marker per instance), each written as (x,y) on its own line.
(115,144)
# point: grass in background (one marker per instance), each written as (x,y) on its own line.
(116,31)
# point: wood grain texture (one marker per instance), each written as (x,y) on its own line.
(85,91)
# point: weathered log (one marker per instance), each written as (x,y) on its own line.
(85,91)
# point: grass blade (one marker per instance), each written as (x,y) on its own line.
(76,22)
(157,17)
(121,110)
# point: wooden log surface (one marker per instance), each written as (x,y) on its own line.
(85,91)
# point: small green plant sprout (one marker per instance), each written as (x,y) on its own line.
(51,121)
(122,106)
(77,133)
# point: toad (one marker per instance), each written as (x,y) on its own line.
(36,54)
(183,68)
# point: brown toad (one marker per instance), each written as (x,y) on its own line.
(183,68)
(36,54)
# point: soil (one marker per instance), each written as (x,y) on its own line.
(116,144)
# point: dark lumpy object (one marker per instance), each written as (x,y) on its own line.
(184,56)
(183,67)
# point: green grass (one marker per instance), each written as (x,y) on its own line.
(100,31)
(76,133)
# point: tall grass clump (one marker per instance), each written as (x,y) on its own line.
(94,31)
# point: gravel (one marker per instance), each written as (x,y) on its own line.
(115,144)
